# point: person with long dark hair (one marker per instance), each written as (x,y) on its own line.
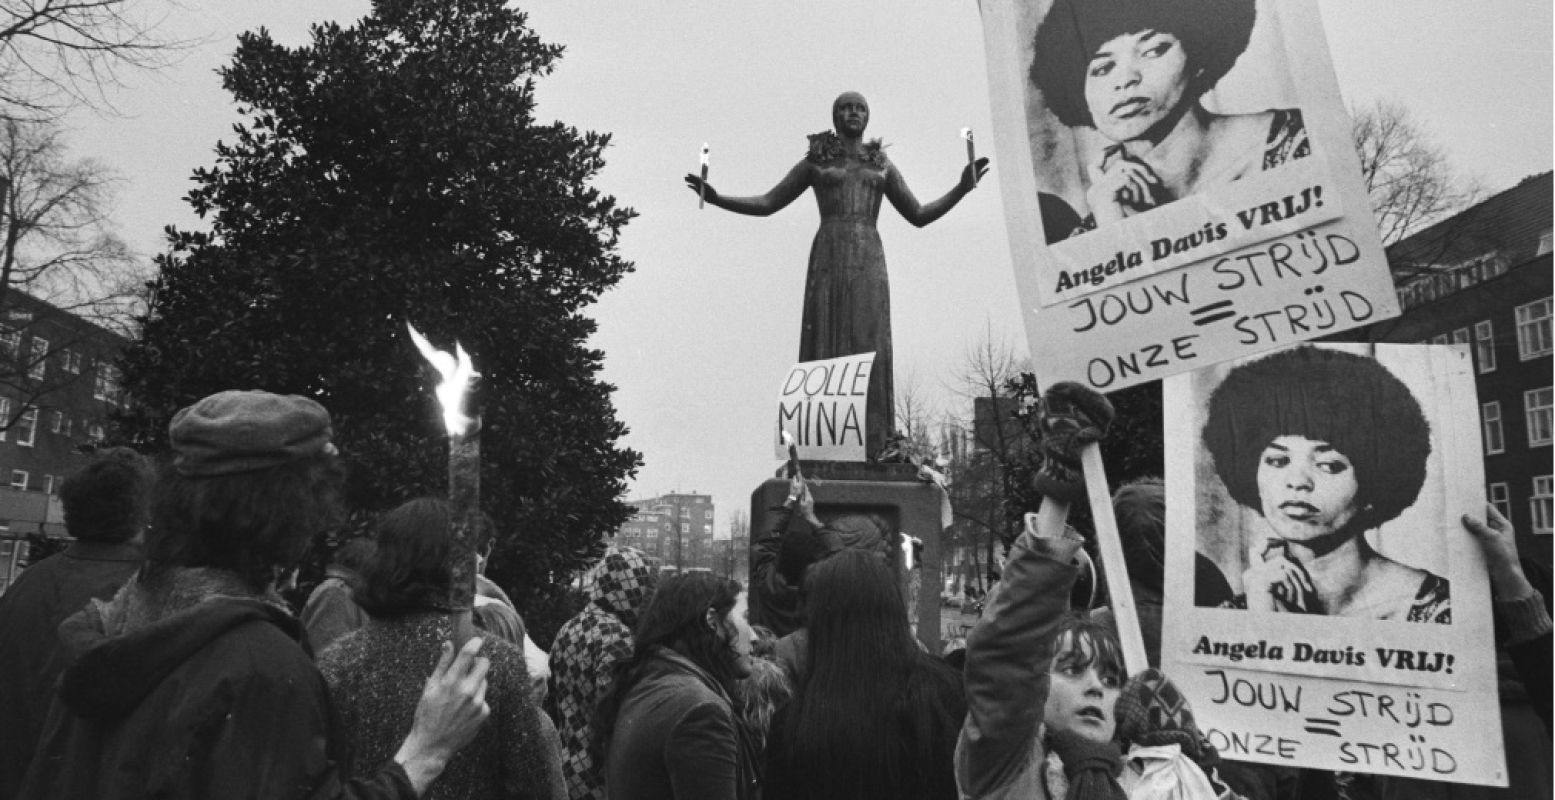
(372,672)
(669,728)
(873,716)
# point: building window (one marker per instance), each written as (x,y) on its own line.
(1539,506)
(10,341)
(1501,498)
(95,434)
(19,479)
(72,362)
(1441,338)
(653,533)
(1490,426)
(56,422)
(5,417)
(27,428)
(708,514)
(1485,346)
(1537,405)
(1544,243)
(685,527)
(38,359)
(1460,336)
(1533,329)
(106,382)
(69,424)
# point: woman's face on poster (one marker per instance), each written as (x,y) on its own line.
(1306,487)
(1135,81)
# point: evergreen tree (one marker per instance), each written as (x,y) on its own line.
(388,172)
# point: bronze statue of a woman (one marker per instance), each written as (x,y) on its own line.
(847,297)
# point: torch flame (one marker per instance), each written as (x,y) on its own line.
(788,439)
(966,133)
(705,151)
(458,373)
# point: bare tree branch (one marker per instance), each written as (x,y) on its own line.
(1408,178)
(59,53)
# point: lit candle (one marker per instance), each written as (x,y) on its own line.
(971,152)
(702,188)
(454,395)
(793,456)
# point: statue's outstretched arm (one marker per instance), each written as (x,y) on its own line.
(792,185)
(920,215)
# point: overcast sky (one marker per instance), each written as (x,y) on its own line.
(699,337)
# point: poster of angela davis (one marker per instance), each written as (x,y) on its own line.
(1319,480)
(1331,596)
(1163,132)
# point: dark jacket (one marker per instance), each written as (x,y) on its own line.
(30,613)
(677,737)
(1008,658)
(331,610)
(778,559)
(180,689)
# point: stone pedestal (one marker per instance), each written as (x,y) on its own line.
(891,491)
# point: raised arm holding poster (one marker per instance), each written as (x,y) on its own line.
(1328,485)
(1181,185)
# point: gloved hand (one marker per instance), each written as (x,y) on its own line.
(1071,416)
(1152,711)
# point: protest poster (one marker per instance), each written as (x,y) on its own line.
(1179,183)
(821,405)
(1339,613)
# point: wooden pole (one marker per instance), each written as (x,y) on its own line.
(464,495)
(1114,567)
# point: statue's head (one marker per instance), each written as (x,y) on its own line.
(850,114)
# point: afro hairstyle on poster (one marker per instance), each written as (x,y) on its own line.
(1214,33)
(1349,401)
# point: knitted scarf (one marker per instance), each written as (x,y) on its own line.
(1090,768)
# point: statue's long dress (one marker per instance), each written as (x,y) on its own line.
(847,296)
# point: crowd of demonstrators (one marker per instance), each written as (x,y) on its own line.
(193,680)
(872,716)
(105,505)
(668,727)
(584,655)
(331,609)
(160,668)
(373,673)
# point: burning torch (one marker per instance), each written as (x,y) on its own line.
(454,395)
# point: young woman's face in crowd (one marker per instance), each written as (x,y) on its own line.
(1135,81)
(1306,487)
(1081,699)
(737,626)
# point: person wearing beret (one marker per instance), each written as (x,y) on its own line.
(192,681)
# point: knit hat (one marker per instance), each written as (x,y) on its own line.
(233,432)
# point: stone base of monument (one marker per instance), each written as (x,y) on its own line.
(888,492)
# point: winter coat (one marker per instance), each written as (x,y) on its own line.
(188,686)
(30,660)
(584,655)
(331,610)
(677,737)
(1008,657)
(375,676)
